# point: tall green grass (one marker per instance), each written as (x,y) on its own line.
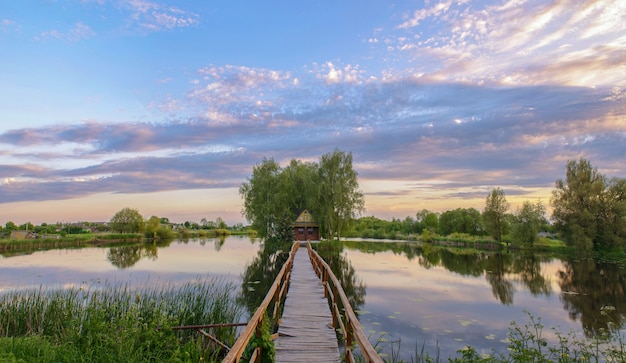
(116,323)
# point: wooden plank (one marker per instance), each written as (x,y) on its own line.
(305,333)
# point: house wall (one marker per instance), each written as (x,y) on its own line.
(304,233)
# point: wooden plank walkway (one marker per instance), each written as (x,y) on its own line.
(305,333)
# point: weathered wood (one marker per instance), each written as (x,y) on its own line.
(306,333)
(348,322)
(255,322)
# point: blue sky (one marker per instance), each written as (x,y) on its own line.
(165,106)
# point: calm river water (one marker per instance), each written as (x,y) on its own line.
(406,296)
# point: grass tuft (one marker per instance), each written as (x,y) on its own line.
(115,322)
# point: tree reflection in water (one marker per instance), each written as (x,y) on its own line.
(588,286)
(259,275)
(354,287)
(262,271)
(501,270)
(124,257)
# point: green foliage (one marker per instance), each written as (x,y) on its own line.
(527,343)
(284,230)
(158,231)
(589,210)
(340,200)
(426,236)
(494,218)
(10,226)
(329,189)
(115,323)
(127,220)
(263,341)
(528,221)
(427,219)
(460,220)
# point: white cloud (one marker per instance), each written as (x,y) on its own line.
(79,32)
(519,42)
(152,16)
(332,74)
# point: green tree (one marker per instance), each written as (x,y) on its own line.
(10,226)
(588,210)
(528,221)
(494,218)
(158,231)
(340,200)
(27,226)
(329,189)
(127,220)
(427,219)
(219,223)
(299,184)
(152,226)
(460,220)
(263,204)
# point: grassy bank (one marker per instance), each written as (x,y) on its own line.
(116,323)
(12,246)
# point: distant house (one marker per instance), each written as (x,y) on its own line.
(23,235)
(305,227)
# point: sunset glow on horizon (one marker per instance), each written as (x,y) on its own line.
(166,106)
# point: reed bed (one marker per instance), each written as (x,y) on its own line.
(115,322)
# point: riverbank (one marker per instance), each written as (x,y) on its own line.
(13,246)
(117,323)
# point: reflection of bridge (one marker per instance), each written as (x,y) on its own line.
(307,327)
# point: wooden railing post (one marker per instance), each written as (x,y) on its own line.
(347,322)
(259,335)
(255,326)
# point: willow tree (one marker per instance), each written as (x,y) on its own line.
(329,189)
(340,200)
(262,197)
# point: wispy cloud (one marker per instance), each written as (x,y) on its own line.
(152,16)
(238,115)
(8,25)
(466,96)
(518,42)
(78,32)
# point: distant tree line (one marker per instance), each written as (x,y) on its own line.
(589,210)
(127,221)
(589,214)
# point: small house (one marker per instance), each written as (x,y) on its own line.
(23,235)
(305,227)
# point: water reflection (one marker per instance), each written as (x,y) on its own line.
(149,263)
(352,285)
(588,286)
(260,273)
(444,297)
(585,286)
(501,270)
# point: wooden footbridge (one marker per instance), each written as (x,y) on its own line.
(315,309)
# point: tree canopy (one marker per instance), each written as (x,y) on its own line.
(496,207)
(589,210)
(527,223)
(329,189)
(127,220)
